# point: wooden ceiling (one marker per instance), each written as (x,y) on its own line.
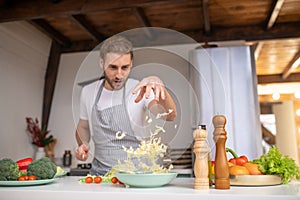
(271,26)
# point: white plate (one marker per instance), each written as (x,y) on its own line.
(26,183)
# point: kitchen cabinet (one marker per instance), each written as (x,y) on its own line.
(68,187)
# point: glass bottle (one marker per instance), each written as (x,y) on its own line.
(67,159)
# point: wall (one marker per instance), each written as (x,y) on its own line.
(23,59)
(174,70)
(80,67)
(62,123)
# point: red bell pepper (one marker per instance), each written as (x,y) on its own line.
(23,163)
(237,160)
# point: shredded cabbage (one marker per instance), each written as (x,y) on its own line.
(144,159)
(120,135)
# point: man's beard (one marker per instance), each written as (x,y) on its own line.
(110,82)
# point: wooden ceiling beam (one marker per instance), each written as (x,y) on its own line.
(141,17)
(81,46)
(143,20)
(32,9)
(274,13)
(47,29)
(50,80)
(206,19)
(281,31)
(248,33)
(265,79)
(258,49)
(81,21)
(294,63)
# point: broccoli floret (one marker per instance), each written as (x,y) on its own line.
(42,168)
(9,170)
(3,178)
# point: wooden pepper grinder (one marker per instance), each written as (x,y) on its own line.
(221,165)
(201,150)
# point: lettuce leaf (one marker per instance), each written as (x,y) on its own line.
(274,163)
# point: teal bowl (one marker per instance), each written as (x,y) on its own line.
(147,180)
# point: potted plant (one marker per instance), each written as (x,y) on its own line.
(40,137)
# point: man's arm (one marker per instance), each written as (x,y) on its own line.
(82,138)
(162,102)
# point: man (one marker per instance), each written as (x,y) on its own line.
(117,104)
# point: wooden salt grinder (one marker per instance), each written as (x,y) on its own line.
(201,150)
(221,166)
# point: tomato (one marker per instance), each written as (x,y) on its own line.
(114,180)
(21,178)
(27,178)
(89,179)
(32,178)
(97,179)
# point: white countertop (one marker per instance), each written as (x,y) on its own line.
(179,188)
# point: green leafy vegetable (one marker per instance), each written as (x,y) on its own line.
(275,163)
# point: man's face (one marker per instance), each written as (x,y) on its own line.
(116,70)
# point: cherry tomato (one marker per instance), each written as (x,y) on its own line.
(89,179)
(32,178)
(97,179)
(114,180)
(21,178)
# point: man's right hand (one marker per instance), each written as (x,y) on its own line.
(82,152)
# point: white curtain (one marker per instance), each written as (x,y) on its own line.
(224,80)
